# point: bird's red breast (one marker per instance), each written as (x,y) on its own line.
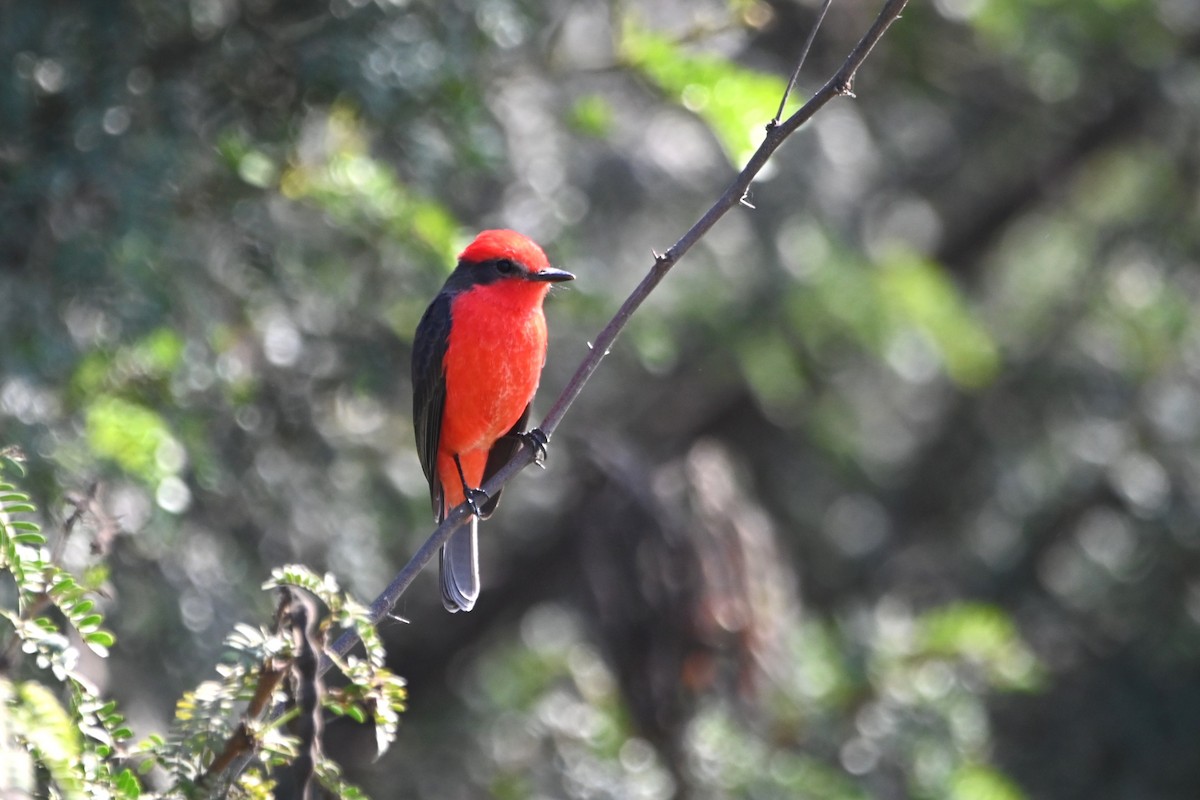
(494,359)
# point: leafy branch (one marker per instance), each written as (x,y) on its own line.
(73,736)
(840,84)
(229,735)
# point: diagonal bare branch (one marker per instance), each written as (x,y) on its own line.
(839,84)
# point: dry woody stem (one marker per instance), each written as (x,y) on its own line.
(840,84)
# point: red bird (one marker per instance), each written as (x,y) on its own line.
(477,357)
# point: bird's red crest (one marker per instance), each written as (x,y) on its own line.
(490,245)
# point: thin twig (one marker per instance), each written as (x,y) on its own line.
(840,84)
(241,745)
(812,35)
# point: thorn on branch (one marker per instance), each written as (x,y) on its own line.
(745,199)
(536,440)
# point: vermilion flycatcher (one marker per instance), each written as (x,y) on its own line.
(477,357)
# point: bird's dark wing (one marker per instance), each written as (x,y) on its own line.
(429,390)
(500,454)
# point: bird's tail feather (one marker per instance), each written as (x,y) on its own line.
(460,568)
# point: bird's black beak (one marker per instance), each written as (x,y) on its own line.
(551,275)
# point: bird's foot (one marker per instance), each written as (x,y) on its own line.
(536,440)
(475,498)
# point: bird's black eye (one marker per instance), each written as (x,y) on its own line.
(505,267)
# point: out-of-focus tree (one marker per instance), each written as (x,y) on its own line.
(890,490)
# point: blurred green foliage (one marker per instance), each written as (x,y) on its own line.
(731,100)
(948,359)
(129,434)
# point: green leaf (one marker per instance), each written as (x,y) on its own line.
(80,608)
(101,638)
(12,458)
(128,783)
(62,582)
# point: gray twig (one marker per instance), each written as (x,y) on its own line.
(800,62)
(840,84)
